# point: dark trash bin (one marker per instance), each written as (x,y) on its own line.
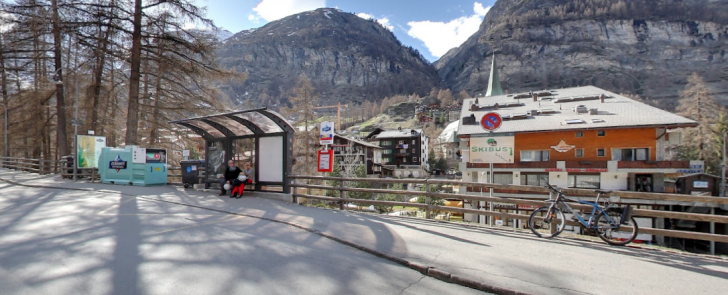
(68,166)
(191,171)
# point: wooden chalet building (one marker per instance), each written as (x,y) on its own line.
(582,137)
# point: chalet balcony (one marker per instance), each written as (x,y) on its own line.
(588,165)
(654,164)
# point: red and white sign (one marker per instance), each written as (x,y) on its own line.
(326,161)
(576,170)
(491,121)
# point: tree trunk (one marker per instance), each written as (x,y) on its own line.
(132,116)
(60,103)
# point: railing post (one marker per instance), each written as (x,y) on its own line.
(427,199)
(342,193)
(40,167)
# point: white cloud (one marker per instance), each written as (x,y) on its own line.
(439,37)
(253,18)
(271,10)
(480,10)
(382,21)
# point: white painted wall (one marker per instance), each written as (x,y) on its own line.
(558,179)
(609,182)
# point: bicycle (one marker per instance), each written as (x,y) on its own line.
(615,225)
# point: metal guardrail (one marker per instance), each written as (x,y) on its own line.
(614,197)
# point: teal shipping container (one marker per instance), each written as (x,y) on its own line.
(133,166)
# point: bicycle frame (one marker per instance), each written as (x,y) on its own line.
(595,209)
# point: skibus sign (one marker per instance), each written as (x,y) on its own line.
(492,149)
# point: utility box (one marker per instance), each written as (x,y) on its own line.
(133,166)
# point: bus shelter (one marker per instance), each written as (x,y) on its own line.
(259,136)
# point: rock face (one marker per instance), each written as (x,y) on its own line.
(644,47)
(347,59)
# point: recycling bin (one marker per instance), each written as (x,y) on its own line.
(133,165)
(191,171)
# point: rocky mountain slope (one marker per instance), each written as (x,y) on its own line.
(645,47)
(347,58)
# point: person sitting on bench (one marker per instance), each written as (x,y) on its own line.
(230,177)
(244,178)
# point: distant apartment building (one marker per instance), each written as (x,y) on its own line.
(404,151)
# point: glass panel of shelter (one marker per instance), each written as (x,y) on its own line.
(244,152)
(234,126)
(263,122)
(215,158)
(209,129)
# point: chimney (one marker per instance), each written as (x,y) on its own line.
(601,97)
(476,101)
(535,97)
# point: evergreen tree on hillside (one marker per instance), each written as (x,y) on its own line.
(698,104)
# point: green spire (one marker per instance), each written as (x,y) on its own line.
(494,85)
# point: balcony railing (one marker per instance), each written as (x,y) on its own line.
(588,165)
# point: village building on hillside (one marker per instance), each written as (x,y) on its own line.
(404,151)
(350,153)
(447,145)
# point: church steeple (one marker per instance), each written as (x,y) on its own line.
(494,85)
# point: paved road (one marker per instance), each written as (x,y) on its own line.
(55,241)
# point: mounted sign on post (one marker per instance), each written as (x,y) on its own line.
(491,121)
(326,161)
(327,133)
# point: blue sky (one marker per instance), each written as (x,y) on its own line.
(431,26)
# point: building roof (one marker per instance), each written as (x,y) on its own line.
(396,133)
(255,122)
(555,110)
(364,143)
(449,133)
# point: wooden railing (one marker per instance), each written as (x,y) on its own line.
(617,197)
(654,164)
(59,167)
(39,166)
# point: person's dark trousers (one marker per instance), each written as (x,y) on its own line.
(222,185)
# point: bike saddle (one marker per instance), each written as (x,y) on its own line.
(602,191)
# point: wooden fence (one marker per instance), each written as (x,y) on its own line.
(60,167)
(616,197)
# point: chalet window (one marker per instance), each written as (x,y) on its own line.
(642,154)
(579,153)
(535,179)
(579,134)
(584,181)
(601,153)
(503,178)
(385,142)
(386,152)
(414,159)
(401,142)
(402,151)
(404,160)
(601,133)
(534,156)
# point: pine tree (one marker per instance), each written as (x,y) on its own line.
(698,104)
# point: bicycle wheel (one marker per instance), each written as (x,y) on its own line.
(546,226)
(614,233)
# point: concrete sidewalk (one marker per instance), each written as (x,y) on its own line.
(510,260)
